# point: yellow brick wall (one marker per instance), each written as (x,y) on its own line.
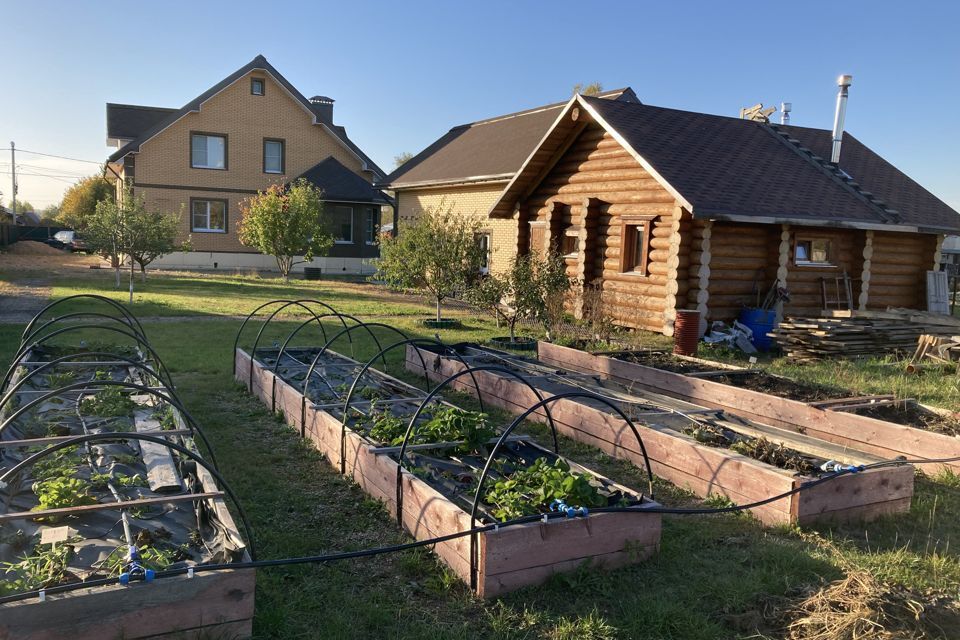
(246,120)
(472,201)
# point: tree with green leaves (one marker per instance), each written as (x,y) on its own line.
(435,255)
(591,89)
(533,288)
(286,222)
(80,200)
(127,229)
(50,214)
(401,159)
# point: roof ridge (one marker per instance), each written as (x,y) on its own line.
(838,175)
(140,106)
(546,107)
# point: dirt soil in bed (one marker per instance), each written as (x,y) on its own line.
(902,413)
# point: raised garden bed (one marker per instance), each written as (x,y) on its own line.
(858,432)
(431,494)
(689,444)
(176,513)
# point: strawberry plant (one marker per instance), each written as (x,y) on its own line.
(43,568)
(530,491)
(110,402)
(61,492)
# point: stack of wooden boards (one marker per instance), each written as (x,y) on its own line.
(936,351)
(860,333)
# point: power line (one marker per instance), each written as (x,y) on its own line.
(51,155)
(78,172)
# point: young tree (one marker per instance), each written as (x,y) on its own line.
(533,288)
(80,200)
(591,89)
(401,159)
(128,229)
(286,223)
(436,255)
(50,214)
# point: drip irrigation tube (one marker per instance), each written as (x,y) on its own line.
(76,327)
(365,553)
(411,426)
(29,461)
(369,363)
(92,296)
(114,383)
(74,356)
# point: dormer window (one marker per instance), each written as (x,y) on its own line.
(257,86)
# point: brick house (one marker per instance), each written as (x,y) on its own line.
(665,210)
(250,130)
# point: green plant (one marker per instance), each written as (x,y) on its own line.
(102,374)
(386,427)
(167,418)
(154,558)
(109,402)
(57,380)
(452,424)
(46,566)
(60,464)
(532,490)
(61,492)
(100,480)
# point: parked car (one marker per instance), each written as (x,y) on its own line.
(69,240)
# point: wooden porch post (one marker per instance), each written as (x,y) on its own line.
(783,264)
(673,264)
(865,274)
(703,273)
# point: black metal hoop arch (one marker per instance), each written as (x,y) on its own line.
(316,359)
(192,423)
(122,309)
(503,438)
(436,390)
(74,356)
(299,303)
(284,301)
(74,327)
(276,365)
(426,376)
(93,437)
(82,314)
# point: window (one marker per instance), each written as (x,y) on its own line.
(635,245)
(343,225)
(372,224)
(257,86)
(483,242)
(208,151)
(273,155)
(570,242)
(208,216)
(813,252)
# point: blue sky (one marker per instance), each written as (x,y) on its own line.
(403,73)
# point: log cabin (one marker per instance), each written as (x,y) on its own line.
(664,209)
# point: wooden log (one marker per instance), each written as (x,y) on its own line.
(614,186)
(162,475)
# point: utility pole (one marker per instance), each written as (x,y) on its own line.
(13,174)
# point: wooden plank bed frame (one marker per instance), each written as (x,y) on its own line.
(508,558)
(702,469)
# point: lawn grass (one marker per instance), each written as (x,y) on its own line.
(713,578)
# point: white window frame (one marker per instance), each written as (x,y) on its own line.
(485,238)
(194,165)
(207,229)
(283,151)
(337,209)
(263,86)
(372,225)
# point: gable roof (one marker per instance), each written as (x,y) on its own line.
(486,150)
(731,169)
(339,183)
(129,121)
(259,63)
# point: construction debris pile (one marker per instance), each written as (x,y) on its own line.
(860,333)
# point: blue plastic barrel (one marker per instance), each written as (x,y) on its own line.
(761,322)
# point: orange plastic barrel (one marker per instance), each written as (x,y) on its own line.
(686,332)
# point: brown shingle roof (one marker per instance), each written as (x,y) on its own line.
(484,150)
(727,166)
(128,121)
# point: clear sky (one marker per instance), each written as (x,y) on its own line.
(403,73)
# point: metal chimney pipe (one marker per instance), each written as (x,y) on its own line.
(785,109)
(844,83)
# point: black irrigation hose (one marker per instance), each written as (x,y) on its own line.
(194,426)
(75,327)
(363,553)
(98,298)
(96,437)
(83,314)
(436,390)
(83,354)
(369,363)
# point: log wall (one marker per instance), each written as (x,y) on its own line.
(898,269)
(597,167)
